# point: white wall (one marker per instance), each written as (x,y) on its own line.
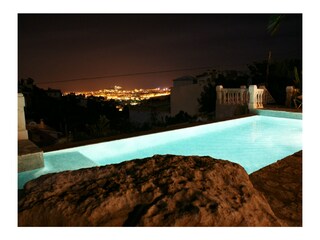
(185,98)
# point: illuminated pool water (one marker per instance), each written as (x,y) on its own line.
(253,142)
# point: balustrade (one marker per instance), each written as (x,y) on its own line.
(234,96)
(253,96)
(259,98)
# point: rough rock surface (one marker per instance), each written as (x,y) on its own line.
(281,183)
(158,191)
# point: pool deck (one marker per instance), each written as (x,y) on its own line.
(30,156)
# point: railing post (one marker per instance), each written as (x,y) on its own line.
(219,89)
(243,90)
(289,94)
(252,97)
(22,132)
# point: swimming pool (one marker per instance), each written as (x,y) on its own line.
(253,142)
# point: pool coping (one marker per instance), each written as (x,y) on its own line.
(274,113)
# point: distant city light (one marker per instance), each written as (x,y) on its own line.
(119,94)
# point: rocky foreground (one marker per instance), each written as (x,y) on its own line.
(163,190)
(281,183)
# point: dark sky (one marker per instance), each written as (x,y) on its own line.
(55,47)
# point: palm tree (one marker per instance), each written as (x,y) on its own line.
(272,28)
(274,23)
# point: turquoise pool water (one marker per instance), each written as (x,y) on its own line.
(253,142)
(282,114)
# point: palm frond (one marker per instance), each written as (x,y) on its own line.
(274,23)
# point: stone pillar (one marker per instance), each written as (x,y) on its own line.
(252,97)
(219,89)
(289,94)
(22,131)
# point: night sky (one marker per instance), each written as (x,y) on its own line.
(53,48)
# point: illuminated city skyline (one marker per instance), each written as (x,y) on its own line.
(133,96)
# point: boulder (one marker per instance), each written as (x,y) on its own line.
(164,190)
(281,183)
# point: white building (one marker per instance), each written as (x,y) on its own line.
(186,91)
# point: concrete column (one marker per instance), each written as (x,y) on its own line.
(252,97)
(219,93)
(22,131)
(289,94)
